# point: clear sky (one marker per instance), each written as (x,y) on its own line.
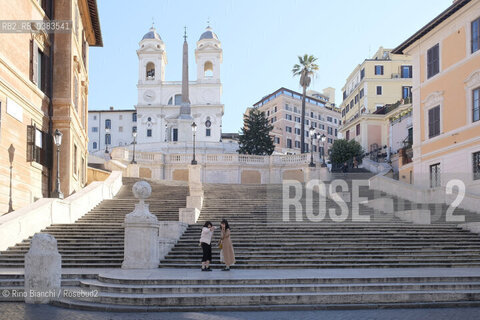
(261,41)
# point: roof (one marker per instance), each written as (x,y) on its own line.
(209,34)
(92,8)
(152,34)
(114,110)
(457,5)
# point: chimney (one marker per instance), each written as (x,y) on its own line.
(111,108)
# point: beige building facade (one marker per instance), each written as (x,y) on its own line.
(44,87)
(446,98)
(283,108)
(384,79)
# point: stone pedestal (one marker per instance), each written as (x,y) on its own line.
(43,270)
(133,170)
(188,215)
(141,233)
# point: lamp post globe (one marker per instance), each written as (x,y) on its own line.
(194,131)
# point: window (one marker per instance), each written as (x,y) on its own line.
(314,148)
(335,120)
(476,166)
(120,129)
(275,109)
(406,72)
(134,117)
(330,130)
(208,132)
(75,155)
(336,132)
(297,144)
(75,92)
(361,93)
(150,71)
(378,70)
(330,140)
(120,117)
(94,129)
(297,119)
(40,70)
(357,129)
(149,132)
(362,73)
(435,175)
(321,127)
(476,105)
(379,90)
(344,95)
(276,140)
(134,129)
(475,35)
(351,104)
(306,147)
(39,146)
(108,124)
(288,129)
(178,99)
(208,69)
(356,99)
(175,134)
(433,61)
(94,145)
(329,119)
(434,122)
(343,113)
(311,114)
(108,139)
(289,143)
(406,92)
(297,131)
(288,116)
(410,136)
(268,113)
(94,117)
(347,135)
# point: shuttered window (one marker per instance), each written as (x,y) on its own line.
(39,146)
(433,61)
(434,122)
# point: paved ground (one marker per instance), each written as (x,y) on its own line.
(178,273)
(21,311)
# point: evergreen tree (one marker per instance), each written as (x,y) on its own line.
(343,150)
(255,135)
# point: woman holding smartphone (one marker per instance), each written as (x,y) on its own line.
(205,243)
(227,247)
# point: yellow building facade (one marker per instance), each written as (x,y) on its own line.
(446,92)
(44,87)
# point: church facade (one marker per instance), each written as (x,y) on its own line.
(166,110)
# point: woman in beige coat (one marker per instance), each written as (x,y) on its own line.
(227,247)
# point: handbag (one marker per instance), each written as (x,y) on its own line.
(220,245)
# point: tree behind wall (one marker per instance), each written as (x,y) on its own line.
(343,150)
(255,135)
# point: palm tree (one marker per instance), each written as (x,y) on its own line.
(306,68)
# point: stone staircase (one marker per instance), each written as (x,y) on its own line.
(96,239)
(263,240)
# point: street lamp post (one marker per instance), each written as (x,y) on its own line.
(194,130)
(323,138)
(134,134)
(107,140)
(312,133)
(58,142)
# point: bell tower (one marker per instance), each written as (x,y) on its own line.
(208,56)
(152,58)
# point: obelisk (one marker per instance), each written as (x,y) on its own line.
(185,110)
